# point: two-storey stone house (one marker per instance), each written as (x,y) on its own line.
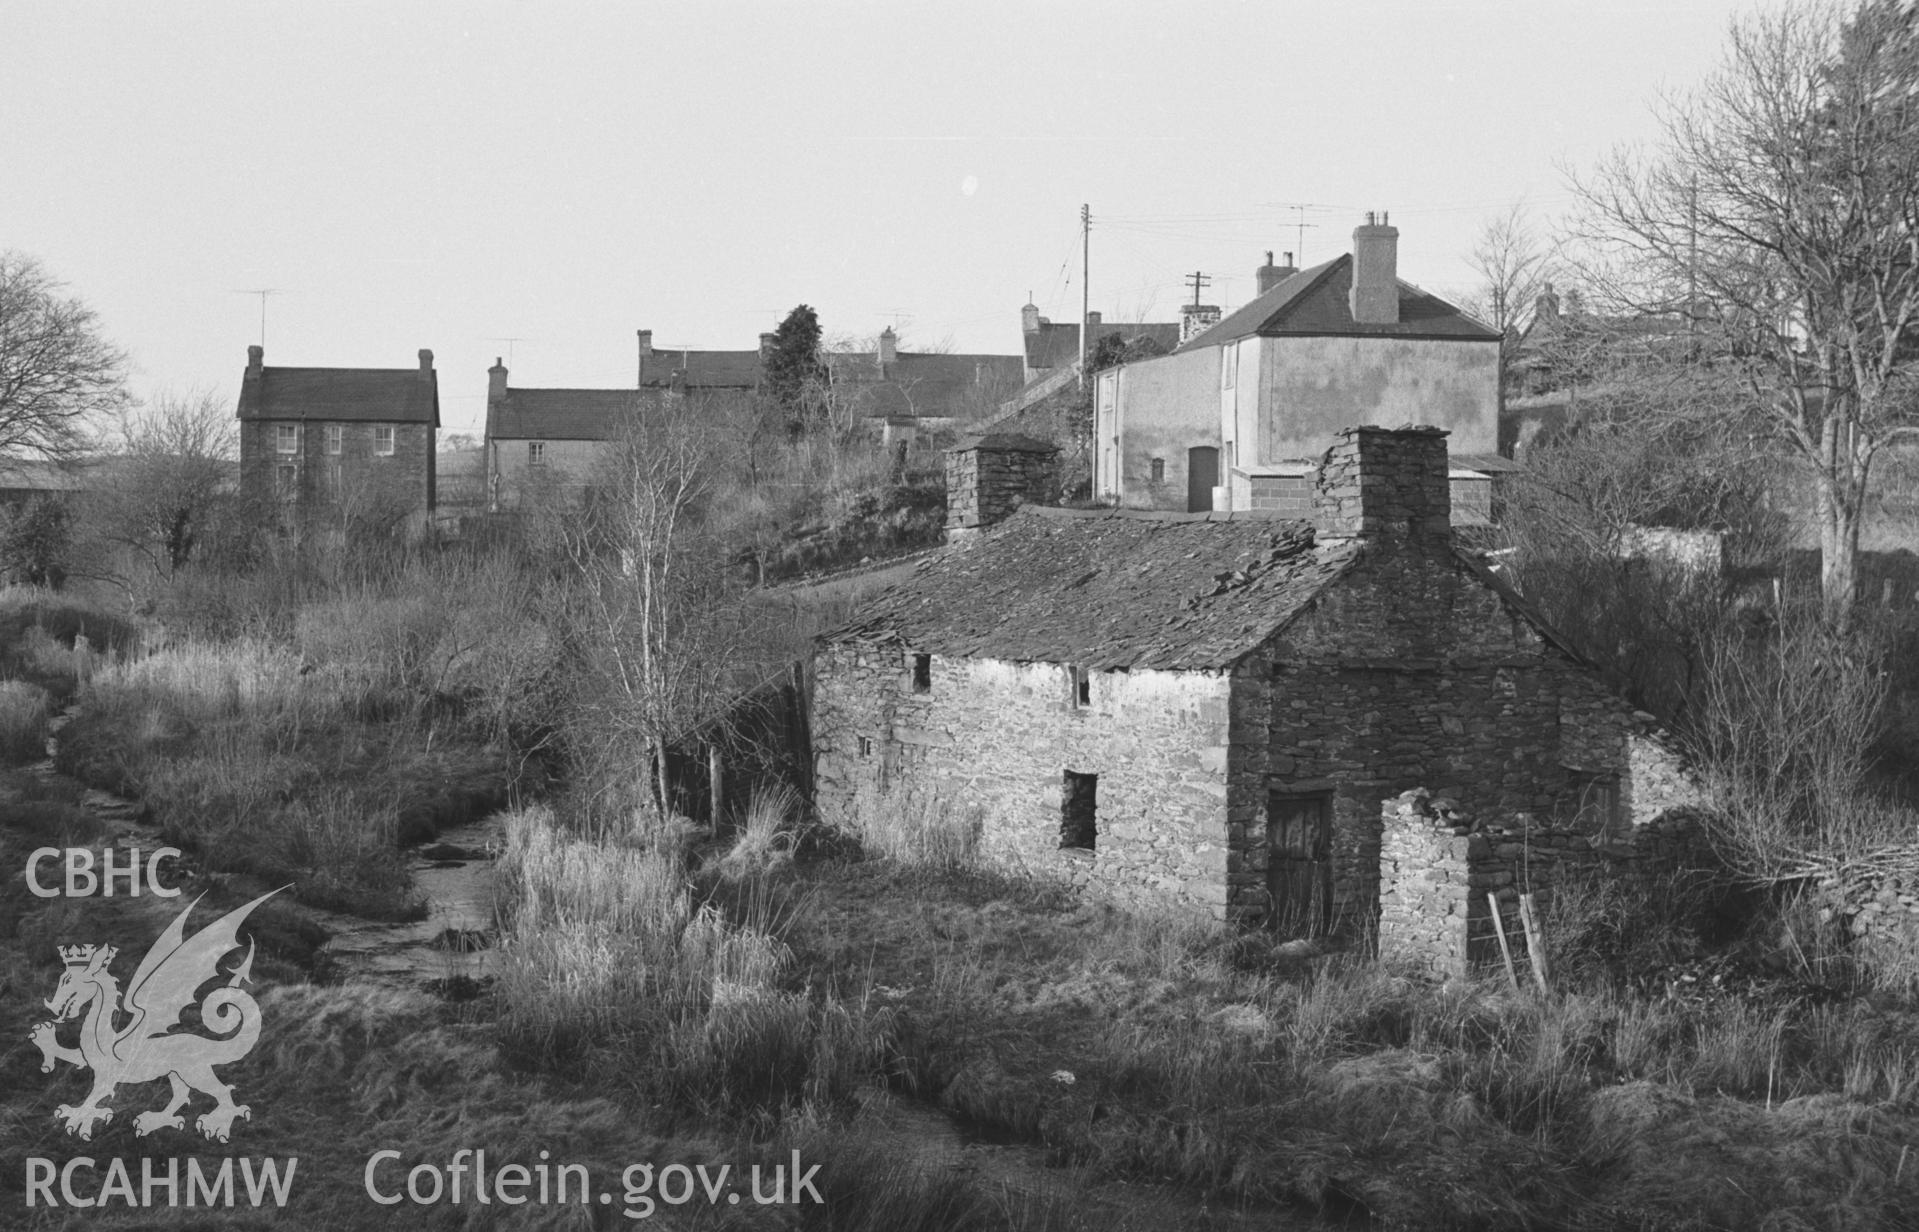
(345,442)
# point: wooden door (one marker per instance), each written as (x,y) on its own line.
(1299,864)
(1202,476)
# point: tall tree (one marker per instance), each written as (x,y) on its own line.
(794,374)
(1515,264)
(57,374)
(1779,219)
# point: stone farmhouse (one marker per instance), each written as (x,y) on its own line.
(546,441)
(340,441)
(1236,416)
(1209,710)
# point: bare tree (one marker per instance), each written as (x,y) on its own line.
(57,374)
(167,470)
(651,615)
(1778,219)
(1515,264)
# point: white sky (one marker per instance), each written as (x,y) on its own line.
(451,175)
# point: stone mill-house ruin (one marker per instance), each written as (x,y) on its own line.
(1209,710)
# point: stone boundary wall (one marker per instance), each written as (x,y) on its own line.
(1440,875)
(1879,911)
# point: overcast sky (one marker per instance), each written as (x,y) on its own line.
(452,176)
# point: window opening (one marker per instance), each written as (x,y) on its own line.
(1079,811)
(922,673)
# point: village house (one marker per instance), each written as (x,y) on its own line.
(684,370)
(543,442)
(341,441)
(896,393)
(1209,710)
(1236,417)
(902,393)
(1053,347)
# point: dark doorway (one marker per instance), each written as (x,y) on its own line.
(1079,811)
(1202,475)
(1299,864)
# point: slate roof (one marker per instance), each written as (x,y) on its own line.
(1315,301)
(920,384)
(1054,346)
(364,395)
(565,414)
(1107,589)
(701,369)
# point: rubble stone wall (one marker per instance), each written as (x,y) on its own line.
(995,739)
(1441,874)
(1412,672)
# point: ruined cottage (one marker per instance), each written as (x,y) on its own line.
(1209,710)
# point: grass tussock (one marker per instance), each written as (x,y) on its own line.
(609,962)
(307,749)
(1156,1048)
(25,710)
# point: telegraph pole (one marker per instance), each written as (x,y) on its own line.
(1085,295)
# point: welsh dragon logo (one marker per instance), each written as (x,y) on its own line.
(145,1045)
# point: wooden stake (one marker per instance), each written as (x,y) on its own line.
(1535,942)
(1505,951)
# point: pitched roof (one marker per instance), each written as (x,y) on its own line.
(369,395)
(1315,301)
(701,369)
(1055,346)
(565,414)
(919,384)
(1108,589)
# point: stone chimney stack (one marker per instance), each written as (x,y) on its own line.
(1029,319)
(888,349)
(1269,275)
(989,477)
(1374,299)
(496,384)
(1546,307)
(1196,319)
(255,356)
(766,345)
(646,353)
(426,364)
(1384,483)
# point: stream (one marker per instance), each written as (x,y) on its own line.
(448,952)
